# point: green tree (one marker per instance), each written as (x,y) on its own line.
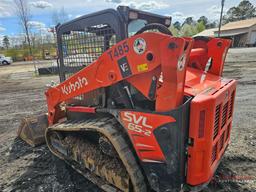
(6,42)
(244,10)
(174,30)
(211,25)
(203,19)
(200,27)
(188,30)
(232,15)
(177,25)
(189,21)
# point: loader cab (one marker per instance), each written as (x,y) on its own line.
(194,140)
(83,40)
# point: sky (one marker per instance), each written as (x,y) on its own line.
(42,10)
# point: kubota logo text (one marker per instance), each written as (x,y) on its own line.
(78,84)
(137,123)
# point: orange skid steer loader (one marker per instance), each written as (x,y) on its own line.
(137,109)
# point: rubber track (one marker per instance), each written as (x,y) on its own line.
(113,131)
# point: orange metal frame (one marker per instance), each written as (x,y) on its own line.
(179,64)
(105,72)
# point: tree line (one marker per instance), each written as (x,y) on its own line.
(244,10)
(189,27)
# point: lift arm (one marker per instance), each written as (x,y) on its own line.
(139,60)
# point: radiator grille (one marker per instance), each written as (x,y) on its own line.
(228,131)
(224,115)
(231,104)
(216,122)
(214,153)
(221,141)
(81,48)
(223,112)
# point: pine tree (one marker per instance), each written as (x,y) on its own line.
(244,10)
(6,42)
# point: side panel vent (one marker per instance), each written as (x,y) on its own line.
(231,104)
(224,115)
(214,153)
(228,131)
(216,122)
(221,142)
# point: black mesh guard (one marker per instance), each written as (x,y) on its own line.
(81,48)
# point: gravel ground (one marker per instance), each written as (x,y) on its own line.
(23,168)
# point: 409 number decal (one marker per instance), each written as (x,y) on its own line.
(119,50)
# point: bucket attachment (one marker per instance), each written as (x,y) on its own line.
(32,130)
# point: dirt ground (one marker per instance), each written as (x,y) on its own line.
(23,168)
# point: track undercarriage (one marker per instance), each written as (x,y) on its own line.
(97,149)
